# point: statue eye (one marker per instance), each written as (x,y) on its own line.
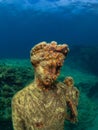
(58,67)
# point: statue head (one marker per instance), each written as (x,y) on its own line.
(69,81)
(47,59)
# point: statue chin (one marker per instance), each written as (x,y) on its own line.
(47,82)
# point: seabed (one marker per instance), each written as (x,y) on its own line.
(17,73)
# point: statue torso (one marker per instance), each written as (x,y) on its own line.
(43,110)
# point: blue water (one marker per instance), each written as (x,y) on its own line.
(24,23)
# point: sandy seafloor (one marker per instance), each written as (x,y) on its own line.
(16,73)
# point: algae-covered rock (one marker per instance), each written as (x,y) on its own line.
(12,79)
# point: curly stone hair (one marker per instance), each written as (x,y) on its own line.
(45,51)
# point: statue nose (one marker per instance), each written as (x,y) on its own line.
(53,77)
(53,71)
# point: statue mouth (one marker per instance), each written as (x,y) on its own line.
(48,81)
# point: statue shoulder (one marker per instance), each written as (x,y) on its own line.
(20,95)
(76,89)
(61,85)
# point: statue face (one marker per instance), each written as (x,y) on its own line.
(48,71)
(69,82)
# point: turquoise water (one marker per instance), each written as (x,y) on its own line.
(24,23)
(17,73)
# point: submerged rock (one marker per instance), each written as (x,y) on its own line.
(12,79)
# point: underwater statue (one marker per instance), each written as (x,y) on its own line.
(42,104)
(72,96)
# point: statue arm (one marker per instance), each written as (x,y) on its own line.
(77,95)
(77,92)
(73,110)
(18,122)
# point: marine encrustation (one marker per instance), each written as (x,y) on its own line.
(42,104)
